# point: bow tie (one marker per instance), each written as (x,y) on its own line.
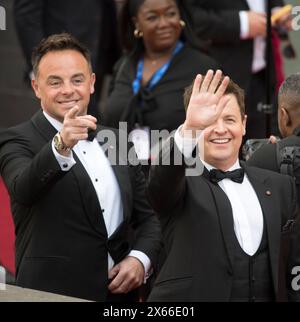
(216,175)
(91,135)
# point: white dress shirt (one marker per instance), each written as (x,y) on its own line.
(105,183)
(259,45)
(246,209)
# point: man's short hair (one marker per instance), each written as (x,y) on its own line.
(58,42)
(232,88)
(289,93)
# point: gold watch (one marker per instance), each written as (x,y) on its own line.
(59,143)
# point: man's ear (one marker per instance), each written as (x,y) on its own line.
(244,124)
(285,117)
(92,84)
(35,87)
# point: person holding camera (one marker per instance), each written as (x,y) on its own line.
(277,157)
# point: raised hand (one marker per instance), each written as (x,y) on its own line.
(206,102)
(75,128)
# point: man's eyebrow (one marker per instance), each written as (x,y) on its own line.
(51,77)
(230,115)
(78,75)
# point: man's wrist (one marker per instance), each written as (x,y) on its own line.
(190,132)
(60,145)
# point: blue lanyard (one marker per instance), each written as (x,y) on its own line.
(136,84)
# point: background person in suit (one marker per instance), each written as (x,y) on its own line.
(92,22)
(224,229)
(83,225)
(288,123)
(235,32)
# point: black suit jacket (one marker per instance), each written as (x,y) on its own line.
(61,239)
(218,22)
(197,224)
(266,156)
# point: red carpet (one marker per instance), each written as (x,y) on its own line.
(7,236)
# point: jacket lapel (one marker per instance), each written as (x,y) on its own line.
(89,198)
(272,216)
(42,125)
(224,212)
(117,156)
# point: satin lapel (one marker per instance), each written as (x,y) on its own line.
(272,216)
(120,168)
(225,215)
(43,126)
(89,198)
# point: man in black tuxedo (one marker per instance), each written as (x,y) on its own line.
(288,123)
(92,22)
(224,230)
(235,32)
(83,225)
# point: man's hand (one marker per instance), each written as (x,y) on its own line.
(257,24)
(273,139)
(206,102)
(127,275)
(75,128)
(282,17)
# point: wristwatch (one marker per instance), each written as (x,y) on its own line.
(59,143)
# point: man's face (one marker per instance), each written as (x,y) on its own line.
(64,80)
(222,140)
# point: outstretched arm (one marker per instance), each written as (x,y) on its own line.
(167,179)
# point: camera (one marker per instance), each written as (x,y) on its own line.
(252,145)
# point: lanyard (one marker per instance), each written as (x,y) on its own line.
(157,76)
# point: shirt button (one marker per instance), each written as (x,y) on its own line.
(65,165)
(96,180)
(84,152)
(103,210)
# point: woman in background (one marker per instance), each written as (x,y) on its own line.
(161,59)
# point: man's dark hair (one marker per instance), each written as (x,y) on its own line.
(58,42)
(289,93)
(232,88)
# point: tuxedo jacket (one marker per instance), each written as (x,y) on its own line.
(218,23)
(197,225)
(61,238)
(266,156)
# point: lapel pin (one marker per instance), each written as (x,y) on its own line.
(111,146)
(268,193)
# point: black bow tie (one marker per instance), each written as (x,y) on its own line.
(216,175)
(91,135)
